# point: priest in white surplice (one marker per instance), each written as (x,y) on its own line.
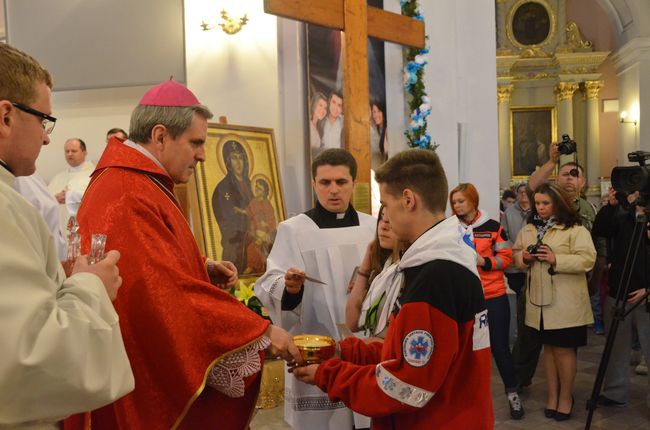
(69,185)
(325,243)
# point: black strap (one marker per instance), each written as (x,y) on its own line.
(6,166)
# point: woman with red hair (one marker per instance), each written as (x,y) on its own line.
(494,254)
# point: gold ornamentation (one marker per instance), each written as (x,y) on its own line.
(593,190)
(592,89)
(580,70)
(533,76)
(504,93)
(565,90)
(574,38)
(534,52)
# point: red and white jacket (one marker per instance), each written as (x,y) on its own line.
(433,370)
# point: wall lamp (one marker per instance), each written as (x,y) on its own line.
(624,119)
(228,25)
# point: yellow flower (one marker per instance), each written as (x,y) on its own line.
(245,292)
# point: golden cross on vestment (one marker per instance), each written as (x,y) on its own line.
(358,21)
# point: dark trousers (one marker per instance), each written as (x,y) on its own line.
(499,324)
(525,352)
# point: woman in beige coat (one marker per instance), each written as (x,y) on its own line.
(557,252)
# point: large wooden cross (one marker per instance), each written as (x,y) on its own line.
(358,21)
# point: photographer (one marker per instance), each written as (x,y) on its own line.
(570,178)
(557,252)
(616,222)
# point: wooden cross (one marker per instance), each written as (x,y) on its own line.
(358,21)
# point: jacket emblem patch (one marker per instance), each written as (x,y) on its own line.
(417,347)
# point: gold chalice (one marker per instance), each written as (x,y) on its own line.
(315,348)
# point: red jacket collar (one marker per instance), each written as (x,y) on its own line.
(117,154)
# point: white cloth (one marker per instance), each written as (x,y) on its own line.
(439,243)
(329,255)
(62,349)
(74,180)
(34,189)
(332,133)
(383,283)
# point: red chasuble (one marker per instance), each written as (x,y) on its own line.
(175,324)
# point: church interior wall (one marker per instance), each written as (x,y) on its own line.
(596,26)
(256,77)
(461,81)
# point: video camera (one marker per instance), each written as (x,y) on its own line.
(633,178)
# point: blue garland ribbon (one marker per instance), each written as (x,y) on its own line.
(416,132)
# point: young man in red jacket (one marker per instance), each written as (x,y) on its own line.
(433,369)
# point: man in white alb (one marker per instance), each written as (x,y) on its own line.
(325,243)
(69,185)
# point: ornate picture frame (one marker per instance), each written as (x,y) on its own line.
(532,129)
(531,23)
(236,197)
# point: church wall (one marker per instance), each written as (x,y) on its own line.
(596,27)
(87,114)
(461,81)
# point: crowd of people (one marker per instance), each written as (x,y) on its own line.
(148,337)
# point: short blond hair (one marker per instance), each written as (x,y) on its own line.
(19,75)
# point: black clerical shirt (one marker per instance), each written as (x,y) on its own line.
(323,219)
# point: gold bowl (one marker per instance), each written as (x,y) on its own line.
(315,348)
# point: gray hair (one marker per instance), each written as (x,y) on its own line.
(175,119)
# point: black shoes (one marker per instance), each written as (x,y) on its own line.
(561,416)
(550,413)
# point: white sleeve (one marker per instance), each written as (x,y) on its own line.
(270,286)
(62,350)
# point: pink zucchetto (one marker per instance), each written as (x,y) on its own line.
(169,93)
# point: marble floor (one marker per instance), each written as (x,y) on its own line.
(635,416)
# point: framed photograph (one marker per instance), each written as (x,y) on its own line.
(236,198)
(531,132)
(326,107)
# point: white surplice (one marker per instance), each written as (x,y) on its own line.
(61,349)
(74,180)
(329,255)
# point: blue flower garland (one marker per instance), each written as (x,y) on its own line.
(416,59)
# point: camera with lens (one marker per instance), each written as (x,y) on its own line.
(532,249)
(630,179)
(567,146)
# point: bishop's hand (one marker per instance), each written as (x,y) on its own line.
(282,345)
(223,274)
(293,280)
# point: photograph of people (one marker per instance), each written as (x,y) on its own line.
(229,201)
(263,226)
(318,112)
(333,124)
(378,136)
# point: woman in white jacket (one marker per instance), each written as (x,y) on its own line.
(557,252)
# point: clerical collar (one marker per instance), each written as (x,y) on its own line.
(6,166)
(326,219)
(149,155)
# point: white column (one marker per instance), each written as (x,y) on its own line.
(504,94)
(564,94)
(592,89)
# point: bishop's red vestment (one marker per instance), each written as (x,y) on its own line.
(175,324)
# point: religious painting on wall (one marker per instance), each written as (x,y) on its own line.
(325,91)
(531,132)
(531,23)
(240,202)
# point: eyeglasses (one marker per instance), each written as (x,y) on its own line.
(48,121)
